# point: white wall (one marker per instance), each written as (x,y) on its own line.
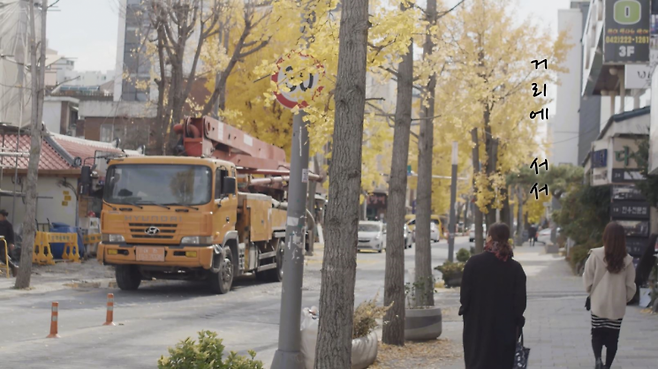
(52,115)
(47,208)
(565,125)
(87,78)
(96,108)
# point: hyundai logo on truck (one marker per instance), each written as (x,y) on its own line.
(152,231)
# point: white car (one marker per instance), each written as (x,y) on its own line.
(435,234)
(372,236)
(471,233)
(407,237)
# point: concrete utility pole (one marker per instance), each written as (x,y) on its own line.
(288,355)
(453,198)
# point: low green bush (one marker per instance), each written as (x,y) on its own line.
(206,354)
(463,255)
(450,270)
(579,253)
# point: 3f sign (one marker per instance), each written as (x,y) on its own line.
(627,12)
(626,51)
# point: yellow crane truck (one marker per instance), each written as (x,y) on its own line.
(213,213)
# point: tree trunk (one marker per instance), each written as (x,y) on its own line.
(519,217)
(505,211)
(38,79)
(162,90)
(334,345)
(423,256)
(491,148)
(477,213)
(457,217)
(363,215)
(310,204)
(466,222)
(393,331)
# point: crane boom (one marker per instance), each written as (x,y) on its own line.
(209,137)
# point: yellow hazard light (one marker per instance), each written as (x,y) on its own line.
(190,254)
(113,252)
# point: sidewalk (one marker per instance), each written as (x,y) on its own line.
(62,275)
(558,326)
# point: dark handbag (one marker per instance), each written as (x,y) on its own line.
(521,355)
(588,302)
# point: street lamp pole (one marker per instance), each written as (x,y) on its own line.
(453,198)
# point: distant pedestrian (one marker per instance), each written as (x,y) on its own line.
(532,234)
(647,262)
(493,300)
(610,280)
(7,230)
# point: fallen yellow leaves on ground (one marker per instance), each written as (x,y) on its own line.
(420,355)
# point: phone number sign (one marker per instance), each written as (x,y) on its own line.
(627,30)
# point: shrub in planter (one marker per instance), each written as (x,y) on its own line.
(578,254)
(421,323)
(364,338)
(452,273)
(463,255)
(365,317)
(206,354)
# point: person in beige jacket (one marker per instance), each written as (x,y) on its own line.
(609,278)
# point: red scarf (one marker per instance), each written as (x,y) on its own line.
(503,251)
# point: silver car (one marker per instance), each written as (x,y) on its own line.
(372,236)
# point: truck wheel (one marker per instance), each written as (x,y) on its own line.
(221,282)
(276,275)
(128,277)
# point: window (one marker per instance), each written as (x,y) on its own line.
(107,132)
(220,174)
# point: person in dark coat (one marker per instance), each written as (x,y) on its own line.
(7,230)
(647,262)
(493,300)
(532,235)
(645,266)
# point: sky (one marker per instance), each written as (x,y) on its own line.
(87,29)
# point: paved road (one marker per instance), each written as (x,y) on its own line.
(158,315)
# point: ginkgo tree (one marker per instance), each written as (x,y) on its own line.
(491,54)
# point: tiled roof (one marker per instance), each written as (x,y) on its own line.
(57,151)
(50,159)
(79,147)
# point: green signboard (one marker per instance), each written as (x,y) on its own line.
(626,34)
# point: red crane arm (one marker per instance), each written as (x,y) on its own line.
(209,137)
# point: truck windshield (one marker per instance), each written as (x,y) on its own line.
(158,184)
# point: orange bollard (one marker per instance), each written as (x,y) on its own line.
(53,321)
(110,310)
